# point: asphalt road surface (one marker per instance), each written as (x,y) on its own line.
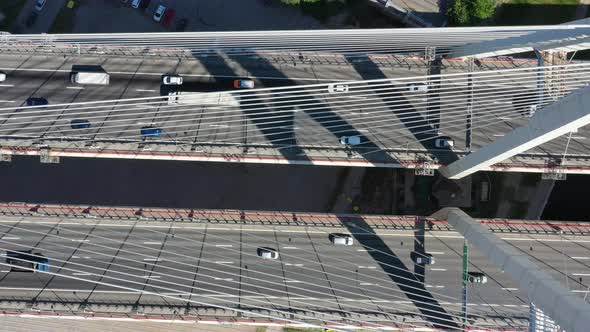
(114,262)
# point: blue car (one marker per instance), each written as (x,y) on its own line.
(80,124)
(36,101)
(151,132)
(27,261)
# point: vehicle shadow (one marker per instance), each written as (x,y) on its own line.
(410,283)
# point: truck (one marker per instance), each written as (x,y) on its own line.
(88,77)
(202,98)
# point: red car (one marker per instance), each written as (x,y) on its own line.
(168,16)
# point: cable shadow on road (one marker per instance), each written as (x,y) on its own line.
(277,125)
(424,127)
(316,109)
(410,283)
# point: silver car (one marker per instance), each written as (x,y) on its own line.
(267,253)
(159,13)
(172,79)
(341,239)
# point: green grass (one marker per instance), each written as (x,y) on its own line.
(531,12)
(10,9)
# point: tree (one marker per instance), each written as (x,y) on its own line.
(468,12)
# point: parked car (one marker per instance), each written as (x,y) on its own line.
(332,88)
(477,277)
(151,132)
(172,79)
(142,4)
(80,124)
(36,101)
(341,239)
(444,142)
(423,259)
(243,84)
(181,24)
(159,12)
(168,17)
(136,3)
(267,253)
(39,4)
(418,87)
(350,140)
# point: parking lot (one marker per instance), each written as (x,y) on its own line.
(198,15)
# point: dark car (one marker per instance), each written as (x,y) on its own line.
(36,101)
(31,19)
(27,261)
(151,132)
(79,124)
(168,17)
(181,24)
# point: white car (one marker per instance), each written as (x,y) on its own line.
(418,87)
(332,88)
(423,259)
(2,76)
(350,140)
(267,253)
(532,109)
(39,4)
(172,79)
(135,3)
(444,142)
(159,13)
(341,239)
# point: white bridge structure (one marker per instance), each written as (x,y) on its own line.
(414,98)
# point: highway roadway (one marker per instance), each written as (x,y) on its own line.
(98,262)
(202,136)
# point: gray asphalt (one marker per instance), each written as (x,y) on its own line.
(218,265)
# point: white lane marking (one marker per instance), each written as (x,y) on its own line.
(289,247)
(293,281)
(219,125)
(580,257)
(291,264)
(152,242)
(5,271)
(87,257)
(81,274)
(435,286)
(367,250)
(581,274)
(367,267)
(7,101)
(224,279)
(437,252)
(7,85)
(151,259)
(144,90)
(75,256)
(509,288)
(510,305)
(580,291)
(223,245)
(11,238)
(151,277)
(224,262)
(75,87)
(80,240)
(437,269)
(367,284)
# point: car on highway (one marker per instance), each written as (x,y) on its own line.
(444,142)
(477,277)
(159,12)
(26,261)
(150,131)
(333,88)
(172,80)
(243,84)
(36,101)
(31,19)
(2,76)
(418,87)
(39,4)
(422,259)
(340,239)
(267,253)
(80,124)
(181,24)
(168,17)
(350,140)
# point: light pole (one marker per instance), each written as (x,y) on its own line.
(465,279)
